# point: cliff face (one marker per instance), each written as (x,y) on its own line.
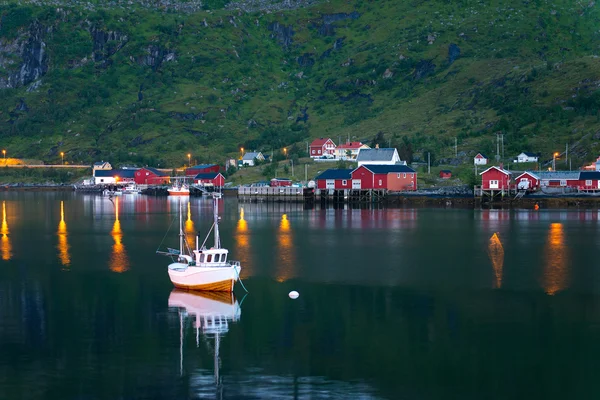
(148,83)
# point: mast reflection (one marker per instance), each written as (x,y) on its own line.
(63,245)
(286,252)
(496,254)
(118,260)
(555,272)
(6,246)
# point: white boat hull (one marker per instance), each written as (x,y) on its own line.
(215,279)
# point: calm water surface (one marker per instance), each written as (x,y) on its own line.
(394,303)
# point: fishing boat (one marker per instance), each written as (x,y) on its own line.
(212,312)
(179,190)
(131,189)
(202,268)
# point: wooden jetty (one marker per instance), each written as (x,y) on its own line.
(275,194)
(352,195)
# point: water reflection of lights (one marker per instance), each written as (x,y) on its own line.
(63,245)
(6,246)
(496,253)
(242,239)
(118,260)
(190,232)
(286,255)
(555,273)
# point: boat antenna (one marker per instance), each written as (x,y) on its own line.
(216,223)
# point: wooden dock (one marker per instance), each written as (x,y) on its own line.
(352,195)
(275,194)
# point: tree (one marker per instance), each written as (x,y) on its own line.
(405,151)
(378,140)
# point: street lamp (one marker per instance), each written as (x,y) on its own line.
(554,161)
(285,152)
(189,160)
(62,156)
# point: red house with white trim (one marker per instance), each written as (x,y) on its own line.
(202,169)
(335,179)
(395,177)
(480,159)
(527,181)
(215,179)
(322,147)
(495,178)
(150,176)
(280,182)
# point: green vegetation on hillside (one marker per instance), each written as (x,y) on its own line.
(149,87)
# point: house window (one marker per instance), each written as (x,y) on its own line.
(217,257)
(398,175)
(588,182)
(404,176)
(209,258)
(147,173)
(202,258)
(563,182)
(412,175)
(380,182)
(344,182)
(101,180)
(313,152)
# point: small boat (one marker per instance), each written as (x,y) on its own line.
(131,189)
(179,190)
(204,268)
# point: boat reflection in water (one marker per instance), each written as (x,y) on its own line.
(496,253)
(211,313)
(118,259)
(63,244)
(556,269)
(6,246)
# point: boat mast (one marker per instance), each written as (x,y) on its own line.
(180,229)
(216,210)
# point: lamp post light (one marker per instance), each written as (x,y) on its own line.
(554,161)
(189,160)
(285,152)
(4,153)
(62,157)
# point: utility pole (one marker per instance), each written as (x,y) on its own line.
(429,162)
(455,147)
(497,148)
(567,154)
(292,161)
(502,139)
(306,173)
(307,153)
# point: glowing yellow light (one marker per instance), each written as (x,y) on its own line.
(496,254)
(242,239)
(190,233)
(286,254)
(6,246)
(63,245)
(555,272)
(118,261)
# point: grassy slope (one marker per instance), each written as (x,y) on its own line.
(520,65)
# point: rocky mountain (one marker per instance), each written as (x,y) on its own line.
(151,81)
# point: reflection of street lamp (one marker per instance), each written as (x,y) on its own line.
(189,160)
(554,161)
(62,156)
(4,152)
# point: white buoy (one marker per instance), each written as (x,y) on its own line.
(293,294)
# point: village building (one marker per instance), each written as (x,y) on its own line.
(526,157)
(114,176)
(280,182)
(445,174)
(337,179)
(528,181)
(151,176)
(350,150)
(250,157)
(559,178)
(589,181)
(322,147)
(202,169)
(377,156)
(101,165)
(215,179)
(396,177)
(480,159)
(495,178)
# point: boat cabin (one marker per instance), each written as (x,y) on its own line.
(211,257)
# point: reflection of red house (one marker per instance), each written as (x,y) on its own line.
(277,182)
(215,179)
(495,178)
(150,176)
(202,169)
(445,174)
(394,177)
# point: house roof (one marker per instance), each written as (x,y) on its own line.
(384,154)
(202,166)
(386,169)
(281,179)
(529,154)
(251,155)
(121,173)
(207,175)
(319,142)
(446,171)
(482,155)
(335,174)
(558,175)
(530,174)
(585,175)
(155,171)
(499,169)
(351,145)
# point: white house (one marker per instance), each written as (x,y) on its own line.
(349,150)
(377,156)
(249,158)
(102,165)
(104,177)
(526,157)
(480,159)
